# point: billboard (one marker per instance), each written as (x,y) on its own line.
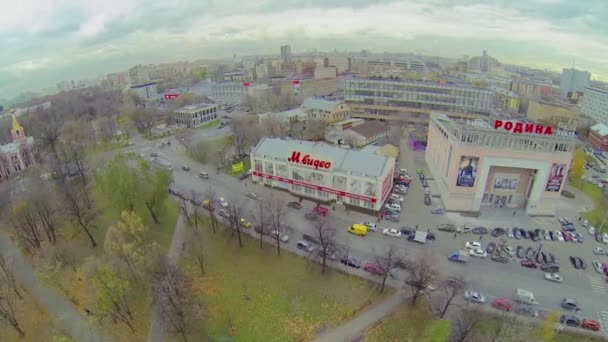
(467,171)
(506,181)
(556,177)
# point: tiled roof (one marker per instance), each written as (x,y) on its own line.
(356,162)
(369,129)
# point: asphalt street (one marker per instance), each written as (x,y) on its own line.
(488,277)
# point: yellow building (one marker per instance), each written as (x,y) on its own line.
(506,99)
(548,108)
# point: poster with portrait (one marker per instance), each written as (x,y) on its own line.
(467,171)
(556,177)
(506,181)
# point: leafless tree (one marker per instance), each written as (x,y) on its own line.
(7,275)
(452,287)
(184,209)
(465,322)
(421,271)
(240,131)
(261,219)
(276,219)
(107,127)
(235,212)
(211,196)
(195,198)
(315,129)
(198,250)
(273,125)
(44,204)
(174,297)
(78,210)
(8,305)
(69,254)
(25,225)
(389,260)
(47,128)
(326,236)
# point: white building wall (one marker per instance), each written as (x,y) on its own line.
(595,104)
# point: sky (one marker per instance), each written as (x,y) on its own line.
(45,41)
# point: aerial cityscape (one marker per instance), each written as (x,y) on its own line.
(329,172)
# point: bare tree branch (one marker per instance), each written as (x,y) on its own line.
(452,287)
(389,260)
(326,236)
(421,272)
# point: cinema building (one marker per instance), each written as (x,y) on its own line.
(504,164)
(324,173)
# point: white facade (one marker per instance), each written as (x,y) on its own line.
(146,91)
(595,104)
(324,173)
(322,73)
(340,62)
(573,80)
(228,92)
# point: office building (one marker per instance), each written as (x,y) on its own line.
(530,88)
(595,104)
(573,80)
(227,92)
(286,54)
(504,164)
(140,84)
(386,96)
(195,115)
(324,173)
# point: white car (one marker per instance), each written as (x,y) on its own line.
(370,226)
(599,251)
(554,277)
(559,235)
(393,206)
(591,230)
(585,223)
(510,250)
(403,172)
(391,232)
(478,252)
(605,238)
(598,267)
(510,233)
(474,297)
(396,198)
(223,202)
(472,245)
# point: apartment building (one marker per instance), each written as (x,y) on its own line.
(595,104)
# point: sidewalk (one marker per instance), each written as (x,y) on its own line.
(74,322)
(354,328)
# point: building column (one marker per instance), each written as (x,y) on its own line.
(538,188)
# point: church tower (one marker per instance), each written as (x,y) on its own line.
(17,131)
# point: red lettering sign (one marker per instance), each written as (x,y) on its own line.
(296,82)
(306,160)
(246,84)
(520,127)
(171,96)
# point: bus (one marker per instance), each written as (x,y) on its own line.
(162,163)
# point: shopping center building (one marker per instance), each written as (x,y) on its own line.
(500,163)
(324,173)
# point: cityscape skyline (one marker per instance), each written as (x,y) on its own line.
(93,38)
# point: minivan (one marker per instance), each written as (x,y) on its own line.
(203,175)
(358,229)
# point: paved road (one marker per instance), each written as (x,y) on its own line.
(492,279)
(55,304)
(157,326)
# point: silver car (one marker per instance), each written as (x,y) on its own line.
(474,297)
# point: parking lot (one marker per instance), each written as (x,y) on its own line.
(493,279)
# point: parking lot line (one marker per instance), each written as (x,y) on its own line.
(597,284)
(603,319)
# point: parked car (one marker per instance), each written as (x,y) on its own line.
(373,268)
(517,233)
(427,199)
(570,304)
(474,297)
(223,202)
(551,268)
(392,218)
(591,324)
(530,253)
(570,320)
(251,195)
(350,262)
(575,262)
(245,223)
(500,258)
(598,267)
(407,231)
(438,211)
(391,232)
(529,264)
(502,304)
(224,213)
(598,251)
(450,228)
(425,184)
(554,277)
(280,236)
(478,252)
(491,248)
(305,246)
(370,226)
(480,230)
(498,231)
(393,206)
(472,245)
(520,252)
(396,197)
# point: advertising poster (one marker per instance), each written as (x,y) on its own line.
(467,171)
(506,182)
(556,177)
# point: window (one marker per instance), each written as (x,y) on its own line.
(297,188)
(368,204)
(309,190)
(509,200)
(355,201)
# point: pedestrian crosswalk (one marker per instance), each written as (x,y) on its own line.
(597,284)
(603,319)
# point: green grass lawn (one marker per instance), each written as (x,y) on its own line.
(210,124)
(409,323)
(596,215)
(253,295)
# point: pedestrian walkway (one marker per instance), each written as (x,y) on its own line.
(597,284)
(57,306)
(355,327)
(603,319)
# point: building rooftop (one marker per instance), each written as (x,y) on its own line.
(288,114)
(503,91)
(196,107)
(600,129)
(320,104)
(554,101)
(421,83)
(369,129)
(356,162)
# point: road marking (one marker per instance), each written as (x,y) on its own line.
(597,284)
(603,319)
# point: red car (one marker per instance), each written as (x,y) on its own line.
(528,264)
(373,268)
(322,211)
(502,304)
(591,324)
(566,235)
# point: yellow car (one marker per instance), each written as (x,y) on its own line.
(245,223)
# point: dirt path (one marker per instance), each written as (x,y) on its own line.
(57,306)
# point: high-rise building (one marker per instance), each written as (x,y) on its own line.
(573,80)
(286,54)
(138,76)
(595,104)
(139,81)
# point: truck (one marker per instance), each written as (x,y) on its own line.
(525,297)
(420,236)
(461,256)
